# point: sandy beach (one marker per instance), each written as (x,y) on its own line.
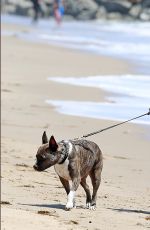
(32,200)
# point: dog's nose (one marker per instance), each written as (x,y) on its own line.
(35,167)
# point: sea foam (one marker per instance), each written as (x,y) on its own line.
(131,97)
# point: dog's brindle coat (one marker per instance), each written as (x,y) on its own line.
(73,160)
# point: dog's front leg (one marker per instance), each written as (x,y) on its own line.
(71,196)
(65,183)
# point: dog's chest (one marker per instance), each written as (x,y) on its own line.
(62,170)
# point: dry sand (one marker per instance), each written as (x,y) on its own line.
(123,197)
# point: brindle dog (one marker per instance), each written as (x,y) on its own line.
(73,161)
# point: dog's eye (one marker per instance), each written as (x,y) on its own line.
(41,157)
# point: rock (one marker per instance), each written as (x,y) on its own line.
(81,9)
(125,3)
(88,4)
(135,11)
(101,13)
(85,15)
(99,2)
(135,1)
(68,18)
(114,16)
(22,10)
(146,3)
(85,9)
(116,7)
(10,9)
(145,15)
(71,8)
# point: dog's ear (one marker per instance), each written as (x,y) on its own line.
(53,144)
(44,138)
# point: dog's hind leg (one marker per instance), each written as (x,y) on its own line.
(87,191)
(65,183)
(96,179)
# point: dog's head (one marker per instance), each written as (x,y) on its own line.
(48,153)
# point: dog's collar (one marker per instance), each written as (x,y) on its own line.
(65,152)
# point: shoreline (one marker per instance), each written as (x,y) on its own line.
(116,105)
(124,191)
(97,38)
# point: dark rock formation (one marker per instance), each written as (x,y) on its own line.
(85,9)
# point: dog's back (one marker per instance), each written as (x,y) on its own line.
(88,156)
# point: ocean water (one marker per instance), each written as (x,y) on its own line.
(124,40)
(128,40)
(131,98)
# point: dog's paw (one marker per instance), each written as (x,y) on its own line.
(91,207)
(69,206)
(71,201)
(88,205)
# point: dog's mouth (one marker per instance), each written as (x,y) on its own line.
(42,167)
(37,168)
